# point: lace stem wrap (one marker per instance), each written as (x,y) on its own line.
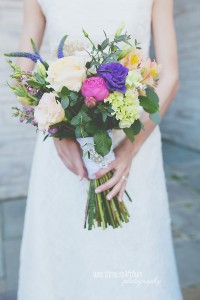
(92,160)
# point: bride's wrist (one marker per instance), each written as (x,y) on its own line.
(131,147)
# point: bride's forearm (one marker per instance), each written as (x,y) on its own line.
(33,27)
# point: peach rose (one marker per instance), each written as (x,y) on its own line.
(48,111)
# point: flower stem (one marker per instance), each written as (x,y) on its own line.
(98,197)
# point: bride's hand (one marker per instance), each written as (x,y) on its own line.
(69,152)
(121,166)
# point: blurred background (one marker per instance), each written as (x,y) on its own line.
(181,151)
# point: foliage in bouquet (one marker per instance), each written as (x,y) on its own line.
(85,97)
(82,96)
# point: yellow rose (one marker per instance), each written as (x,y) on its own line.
(68,71)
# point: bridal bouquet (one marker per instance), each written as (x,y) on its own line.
(84,94)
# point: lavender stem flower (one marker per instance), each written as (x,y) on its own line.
(33,57)
(61,46)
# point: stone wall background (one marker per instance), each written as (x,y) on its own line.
(16,140)
(180,125)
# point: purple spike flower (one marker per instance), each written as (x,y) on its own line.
(33,57)
(61,46)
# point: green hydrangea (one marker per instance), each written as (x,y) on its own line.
(126,107)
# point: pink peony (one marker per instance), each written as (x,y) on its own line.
(95,87)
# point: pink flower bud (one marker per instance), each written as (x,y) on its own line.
(90,101)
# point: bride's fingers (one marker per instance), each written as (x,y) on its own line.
(82,173)
(102,172)
(116,189)
(110,183)
(121,192)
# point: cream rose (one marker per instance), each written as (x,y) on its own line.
(48,111)
(68,71)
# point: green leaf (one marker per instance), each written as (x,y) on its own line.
(150,102)
(68,115)
(104,116)
(95,63)
(80,119)
(78,132)
(73,96)
(148,105)
(16,68)
(88,65)
(151,94)
(91,128)
(34,84)
(19,91)
(129,133)
(136,126)
(46,136)
(103,142)
(64,102)
(40,79)
(99,47)
(34,46)
(84,117)
(75,120)
(105,43)
(133,130)
(155,117)
(65,91)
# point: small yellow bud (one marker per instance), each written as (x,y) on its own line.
(41,69)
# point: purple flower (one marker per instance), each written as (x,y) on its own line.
(33,122)
(114,75)
(33,57)
(53,130)
(60,47)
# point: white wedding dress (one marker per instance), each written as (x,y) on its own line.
(59,259)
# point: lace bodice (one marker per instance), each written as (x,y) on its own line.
(69,17)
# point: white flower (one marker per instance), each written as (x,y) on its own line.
(133,79)
(48,111)
(68,71)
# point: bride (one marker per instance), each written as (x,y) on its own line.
(59,259)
